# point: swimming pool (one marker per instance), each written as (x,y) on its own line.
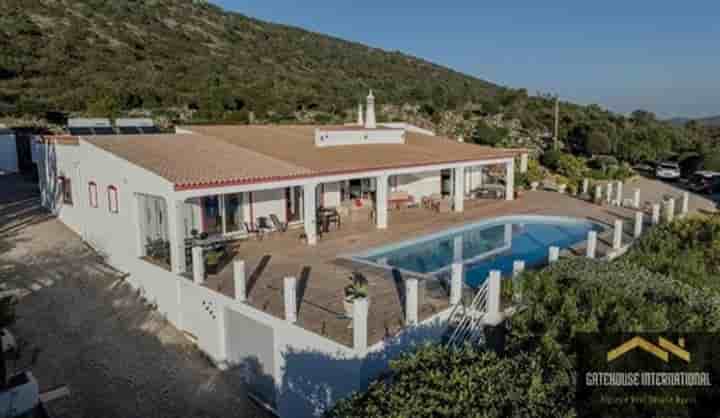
(484,246)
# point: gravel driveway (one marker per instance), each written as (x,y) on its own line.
(118,356)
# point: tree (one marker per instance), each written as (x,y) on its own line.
(485,134)
(598,143)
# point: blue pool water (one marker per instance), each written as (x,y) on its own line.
(485,246)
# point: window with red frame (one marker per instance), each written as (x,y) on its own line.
(66,190)
(113,199)
(92,194)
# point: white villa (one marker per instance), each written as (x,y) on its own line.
(144,201)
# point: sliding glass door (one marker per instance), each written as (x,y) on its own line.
(223,214)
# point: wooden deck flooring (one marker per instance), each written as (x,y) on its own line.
(322,276)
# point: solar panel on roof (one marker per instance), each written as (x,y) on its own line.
(76,131)
(129,130)
(150,130)
(103,130)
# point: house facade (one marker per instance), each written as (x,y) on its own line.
(139,200)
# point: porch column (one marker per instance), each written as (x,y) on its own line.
(381,204)
(523,163)
(309,202)
(176,235)
(459,189)
(510,180)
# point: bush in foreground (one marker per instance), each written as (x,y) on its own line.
(535,374)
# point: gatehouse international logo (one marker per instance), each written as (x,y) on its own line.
(627,375)
(661,351)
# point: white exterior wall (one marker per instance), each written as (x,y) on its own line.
(115,235)
(8,154)
(473,178)
(331,194)
(418,185)
(309,373)
(269,202)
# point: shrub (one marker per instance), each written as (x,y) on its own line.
(598,143)
(551,159)
(535,374)
(571,167)
(436,381)
(686,250)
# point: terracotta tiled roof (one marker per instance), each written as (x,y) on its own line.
(197,160)
(296,144)
(223,155)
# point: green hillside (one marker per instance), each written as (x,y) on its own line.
(91,55)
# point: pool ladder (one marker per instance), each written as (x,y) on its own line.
(467,322)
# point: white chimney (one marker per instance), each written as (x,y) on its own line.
(360,120)
(370,113)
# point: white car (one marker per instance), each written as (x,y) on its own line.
(668,171)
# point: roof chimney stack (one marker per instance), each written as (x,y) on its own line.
(370,113)
(360,120)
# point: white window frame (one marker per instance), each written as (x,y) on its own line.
(93,194)
(113,204)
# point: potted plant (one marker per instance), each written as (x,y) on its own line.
(358,288)
(534,185)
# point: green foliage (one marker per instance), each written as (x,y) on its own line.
(175,53)
(485,134)
(7,311)
(435,381)
(711,160)
(551,159)
(686,250)
(534,376)
(572,167)
(598,143)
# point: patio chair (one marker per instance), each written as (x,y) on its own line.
(263,225)
(253,230)
(279,226)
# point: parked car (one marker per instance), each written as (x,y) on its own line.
(668,171)
(707,182)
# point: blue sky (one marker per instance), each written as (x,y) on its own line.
(623,55)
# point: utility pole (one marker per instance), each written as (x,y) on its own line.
(556,133)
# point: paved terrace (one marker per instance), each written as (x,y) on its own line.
(322,276)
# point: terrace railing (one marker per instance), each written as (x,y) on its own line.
(466,322)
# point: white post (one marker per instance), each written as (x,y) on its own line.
(411,301)
(553,254)
(685,204)
(655,213)
(619,191)
(523,163)
(670,210)
(290,296)
(239,280)
(585,186)
(360,319)
(176,232)
(494,316)
(636,199)
(609,192)
(456,282)
(459,189)
(598,194)
(591,244)
(518,267)
(198,265)
(617,234)
(381,204)
(510,180)
(310,213)
(638,224)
